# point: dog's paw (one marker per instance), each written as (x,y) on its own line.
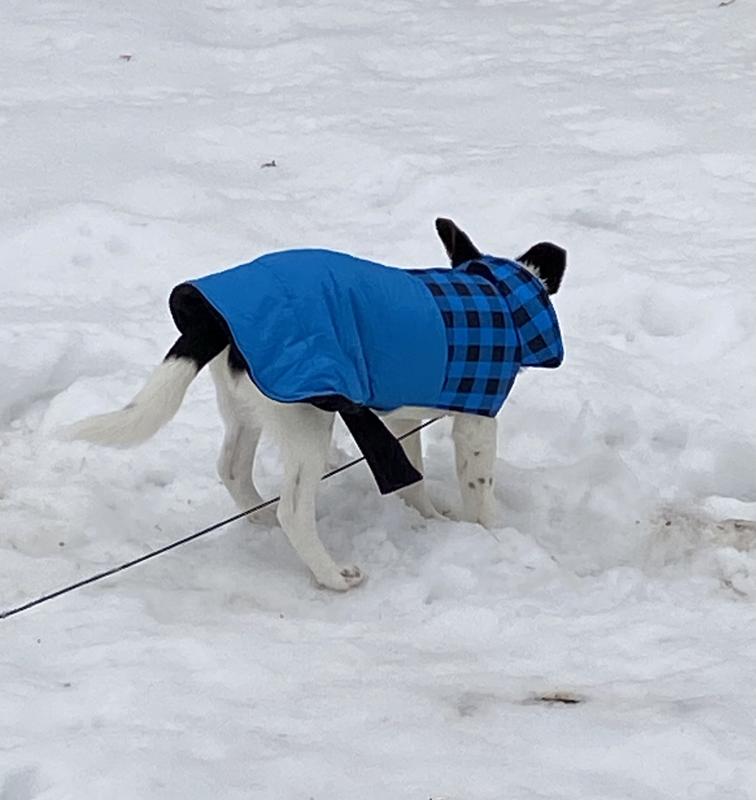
(448,514)
(489,514)
(429,512)
(415,497)
(265,516)
(353,576)
(489,520)
(344,579)
(452,514)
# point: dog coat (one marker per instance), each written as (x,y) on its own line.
(350,335)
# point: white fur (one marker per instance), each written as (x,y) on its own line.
(303,434)
(154,406)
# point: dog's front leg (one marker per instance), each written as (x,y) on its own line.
(305,433)
(475,453)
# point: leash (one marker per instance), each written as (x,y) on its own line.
(186,539)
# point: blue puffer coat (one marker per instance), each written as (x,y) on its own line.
(314,324)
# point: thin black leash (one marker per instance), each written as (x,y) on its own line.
(154,553)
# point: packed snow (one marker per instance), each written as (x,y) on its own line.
(601,641)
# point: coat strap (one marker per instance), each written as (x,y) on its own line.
(383,452)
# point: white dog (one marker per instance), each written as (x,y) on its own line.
(302,429)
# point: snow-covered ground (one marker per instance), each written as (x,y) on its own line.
(618,577)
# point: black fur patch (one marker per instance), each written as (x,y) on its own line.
(204,333)
(550,261)
(458,246)
(235,361)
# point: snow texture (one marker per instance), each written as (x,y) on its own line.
(623,573)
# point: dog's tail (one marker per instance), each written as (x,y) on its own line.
(203,338)
(154,406)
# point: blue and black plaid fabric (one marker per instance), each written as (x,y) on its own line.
(497,318)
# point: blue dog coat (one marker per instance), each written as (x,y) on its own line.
(317,324)
(350,335)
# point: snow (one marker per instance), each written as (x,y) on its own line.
(623,573)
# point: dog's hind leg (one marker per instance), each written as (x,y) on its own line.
(235,464)
(417,494)
(304,433)
(475,454)
(240,442)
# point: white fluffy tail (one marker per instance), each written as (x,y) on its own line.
(154,406)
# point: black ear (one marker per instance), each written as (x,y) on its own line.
(548,261)
(458,246)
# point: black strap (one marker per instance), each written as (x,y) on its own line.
(383,452)
(384,455)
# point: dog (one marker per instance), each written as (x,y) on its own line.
(286,359)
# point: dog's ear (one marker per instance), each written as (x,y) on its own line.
(548,262)
(458,246)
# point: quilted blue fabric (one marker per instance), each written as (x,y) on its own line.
(318,324)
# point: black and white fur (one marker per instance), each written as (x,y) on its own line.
(302,431)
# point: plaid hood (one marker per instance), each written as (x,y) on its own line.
(532,313)
(497,318)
